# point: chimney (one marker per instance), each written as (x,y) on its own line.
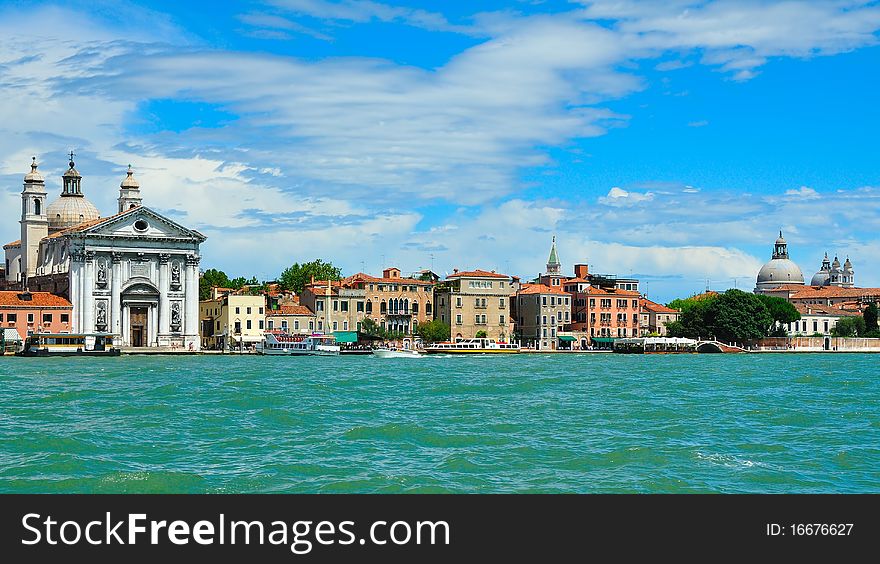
(455,271)
(581,271)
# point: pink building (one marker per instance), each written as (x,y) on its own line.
(34,312)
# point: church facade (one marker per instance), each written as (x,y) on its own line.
(134,274)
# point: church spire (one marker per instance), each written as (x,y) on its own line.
(553,266)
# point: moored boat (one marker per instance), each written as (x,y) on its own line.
(284,344)
(473,346)
(69,344)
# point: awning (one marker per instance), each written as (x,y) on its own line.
(603,339)
(567,338)
(346,336)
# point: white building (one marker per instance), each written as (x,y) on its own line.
(817,319)
(134,274)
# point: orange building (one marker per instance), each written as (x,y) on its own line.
(34,312)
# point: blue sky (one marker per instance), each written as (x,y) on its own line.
(669,140)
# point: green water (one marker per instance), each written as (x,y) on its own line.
(523,423)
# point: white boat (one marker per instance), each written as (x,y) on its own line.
(68,344)
(473,346)
(397,353)
(285,344)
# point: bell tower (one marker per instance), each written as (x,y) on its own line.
(129,192)
(34,221)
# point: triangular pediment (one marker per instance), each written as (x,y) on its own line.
(142,222)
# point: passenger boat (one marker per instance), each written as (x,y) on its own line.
(473,346)
(397,353)
(69,344)
(285,344)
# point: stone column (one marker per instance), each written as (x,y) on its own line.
(152,327)
(164,324)
(74,291)
(115,293)
(88,294)
(191,302)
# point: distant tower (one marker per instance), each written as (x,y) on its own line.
(34,222)
(836,273)
(823,277)
(553,266)
(129,192)
(848,274)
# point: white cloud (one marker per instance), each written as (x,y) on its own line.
(363,11)
(802,193)
(619,197)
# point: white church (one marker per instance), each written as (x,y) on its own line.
(134,274)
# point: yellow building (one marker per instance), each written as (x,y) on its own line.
(232,320)
(475,301)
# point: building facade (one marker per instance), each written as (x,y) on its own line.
(133,274)
(35,312)
(232,321)
(476,302)
(817,319)
(542,314)
(291,319)
(655,317)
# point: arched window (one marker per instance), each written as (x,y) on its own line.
(415,307)
(383,308)
(369,307)
(428,308)
(38,208)
(405,306)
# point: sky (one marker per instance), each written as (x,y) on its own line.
(668,140)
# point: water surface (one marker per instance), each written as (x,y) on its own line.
(517,423)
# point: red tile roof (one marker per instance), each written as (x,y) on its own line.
(654,307)
(596,291)
(476,274)
(831,311)
(38,300)
(361,277)
(530,289)
(12,244)
(291,310)
(807,292)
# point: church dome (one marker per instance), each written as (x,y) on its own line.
(72,208)
(70,211)
(780,271)
(821,278)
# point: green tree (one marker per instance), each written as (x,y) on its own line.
(781,310)
(433,331)
(738,316)
(370,327)
(212,278)
(870,316)
(694,322)
(298,275)
(849,327)
(481,334)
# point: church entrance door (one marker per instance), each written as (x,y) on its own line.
(138,326)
